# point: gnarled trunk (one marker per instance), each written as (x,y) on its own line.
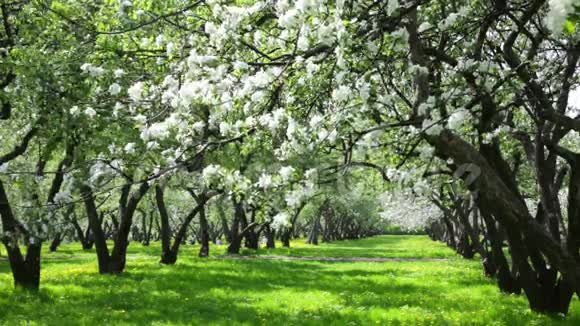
(25,270)
(252,237)
(170,257)
(285,237)
(506,281)
(167,255)
(314,230)
(270,237)
(224,220)
(114,262)
(56,241)
(204,233)
(236,238)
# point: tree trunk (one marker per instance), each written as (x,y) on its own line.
(204,238)
(180,237)
(127,207)
(252,237)
(573,239)
(286,233)
(512,213)
(224,221)
(487,260)
(167,255)
(450,234)
(289,231)
(236,239)
(97,230)
(313,235)
(270,237)
(89,240)
(145,231)
(25,270)
(505,279)
(56,241)
(85,237)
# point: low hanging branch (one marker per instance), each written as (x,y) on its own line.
(20,148)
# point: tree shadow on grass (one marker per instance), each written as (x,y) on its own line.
(195,292)
(230,292)
(215,291)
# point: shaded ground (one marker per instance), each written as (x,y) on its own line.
(271,291)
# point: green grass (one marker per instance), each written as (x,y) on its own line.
(395,246)
(271,292)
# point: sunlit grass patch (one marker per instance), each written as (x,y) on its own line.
(270,292)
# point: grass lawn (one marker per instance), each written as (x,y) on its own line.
(271,292)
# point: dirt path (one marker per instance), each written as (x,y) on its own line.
(324,258)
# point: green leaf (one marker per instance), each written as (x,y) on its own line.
(569,26)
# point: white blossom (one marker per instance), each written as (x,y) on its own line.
(140,119)
(136,91)
(118,73)
(158,130)
(241,65)
(311,174)
(432,128)
(449,20)
(280,220)
(115,89)
(392,6)
(98,173)
(169,48)
(62,198)
(457,119)
(129,148)
(322,134)
(426,151)
(210,173)
(408,210)
(424,26)
(4,167)
(289,19)
(74,110)
(90,112)
(341,94)
(198,126)
(559,10)
(265,181)
(225,128)
(159,39)
(92,70)
(125,4)
(286,173)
